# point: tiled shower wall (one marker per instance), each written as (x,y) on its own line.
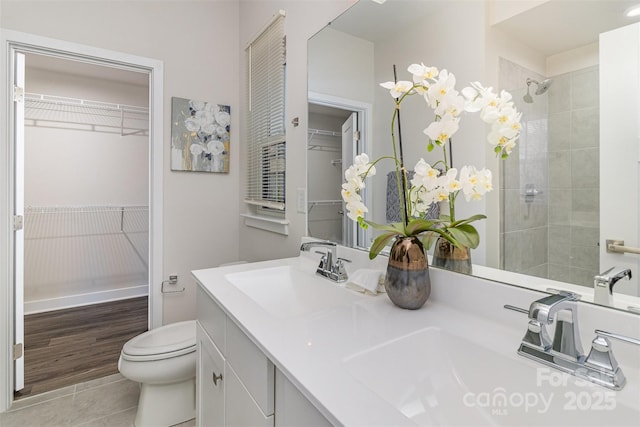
(574,130)
(525,218)
(554,234)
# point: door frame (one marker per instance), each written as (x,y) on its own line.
(360,236)
(12,41)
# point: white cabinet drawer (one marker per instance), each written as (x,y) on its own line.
(253,368)
(293,409)
(240,408)
(210,375)
(212,318)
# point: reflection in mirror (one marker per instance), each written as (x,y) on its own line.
(325,216)
(556,200)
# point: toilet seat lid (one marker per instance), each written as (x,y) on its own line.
(170,340)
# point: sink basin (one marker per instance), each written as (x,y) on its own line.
(435,378)
(287,291)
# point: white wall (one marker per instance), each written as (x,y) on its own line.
(304,18)
(341,65)
(70,167)
(198,44)
(620,133)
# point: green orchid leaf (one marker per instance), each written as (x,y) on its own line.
(468,220)
(444,233)
(429,238)
(396,227)
(380,242)
(466,234)
(417,226)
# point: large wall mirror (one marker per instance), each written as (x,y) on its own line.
(572,182)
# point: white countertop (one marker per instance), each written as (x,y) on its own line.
(326,350)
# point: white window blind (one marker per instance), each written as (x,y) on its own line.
(266,60)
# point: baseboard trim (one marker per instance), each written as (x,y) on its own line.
(69,301)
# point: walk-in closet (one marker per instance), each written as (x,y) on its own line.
(324,164)
(86,218)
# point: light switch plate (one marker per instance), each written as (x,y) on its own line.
(302,200)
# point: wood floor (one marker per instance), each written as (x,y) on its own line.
(70,346)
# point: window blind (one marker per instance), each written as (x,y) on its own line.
(266,61)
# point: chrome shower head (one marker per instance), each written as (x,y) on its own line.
(541,88)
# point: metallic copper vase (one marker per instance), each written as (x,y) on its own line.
(449,257)
(407,281)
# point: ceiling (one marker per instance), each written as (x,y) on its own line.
(551,27)
(560,25)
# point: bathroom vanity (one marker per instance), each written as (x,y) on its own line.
(279,345)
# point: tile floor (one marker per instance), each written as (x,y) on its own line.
(106,402)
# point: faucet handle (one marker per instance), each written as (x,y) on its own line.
(537,335)
(601,354)
(604,363)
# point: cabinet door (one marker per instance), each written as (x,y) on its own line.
(293,409)
(240,408)
(211,387)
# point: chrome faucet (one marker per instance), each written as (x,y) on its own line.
(603,284)
(333,270)
(562,309)
(565,351)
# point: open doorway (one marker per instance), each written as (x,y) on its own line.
(338,130)
(14,46)
(325,169)
(86,221)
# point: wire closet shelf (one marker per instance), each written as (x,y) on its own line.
(81,114)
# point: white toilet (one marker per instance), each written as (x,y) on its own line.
(163,361)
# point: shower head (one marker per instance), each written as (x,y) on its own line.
(541,87)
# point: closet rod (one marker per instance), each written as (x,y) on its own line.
(81,114)
(76,102)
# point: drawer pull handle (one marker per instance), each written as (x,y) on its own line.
(216,378)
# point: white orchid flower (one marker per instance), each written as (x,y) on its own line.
(421,72)
(452,103)
(350,193)
(353,177)
(468,180)
(451,183)
(485,179)
(356,209)
(397,89)
(425,176)
(443,129)
(422,75)
(440,88)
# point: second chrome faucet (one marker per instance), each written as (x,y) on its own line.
(565,352)
(330,265)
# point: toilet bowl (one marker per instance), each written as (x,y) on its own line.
(163,361)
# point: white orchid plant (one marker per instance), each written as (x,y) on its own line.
(438,182)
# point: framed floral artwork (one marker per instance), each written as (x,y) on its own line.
(199,136)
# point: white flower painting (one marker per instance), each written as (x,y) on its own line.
(199,136)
